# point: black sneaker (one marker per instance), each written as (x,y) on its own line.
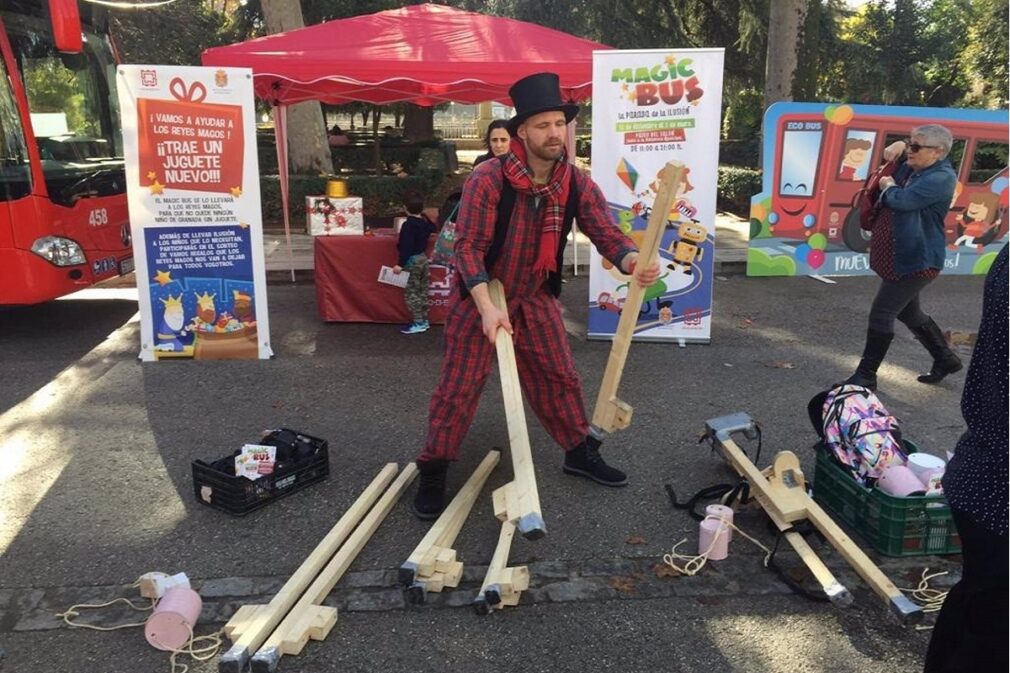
(430,499)
(585,461)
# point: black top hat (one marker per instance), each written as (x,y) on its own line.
(538,93)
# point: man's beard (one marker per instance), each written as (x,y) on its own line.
(547,152)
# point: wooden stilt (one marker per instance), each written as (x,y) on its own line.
(611,413)
(781,491)
(251,624)
(502,585)
(523,499)
(309,618)
(421,573)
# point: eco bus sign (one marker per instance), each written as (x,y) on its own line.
(816,159)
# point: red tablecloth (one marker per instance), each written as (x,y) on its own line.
(346,269)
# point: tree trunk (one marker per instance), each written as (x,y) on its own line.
(308,148)
(785,40)
(419,123)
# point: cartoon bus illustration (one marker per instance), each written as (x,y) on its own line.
(817,157)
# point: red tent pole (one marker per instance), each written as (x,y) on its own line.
(575,228)
(281,136)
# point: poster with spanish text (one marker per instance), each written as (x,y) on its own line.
(817,158)
(193,190)
(650,107)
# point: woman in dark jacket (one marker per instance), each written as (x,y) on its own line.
(496,140)
(908,251)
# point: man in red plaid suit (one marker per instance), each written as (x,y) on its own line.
(538,170)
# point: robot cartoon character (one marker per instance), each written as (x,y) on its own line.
(687,250)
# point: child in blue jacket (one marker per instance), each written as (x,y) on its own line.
(412,246)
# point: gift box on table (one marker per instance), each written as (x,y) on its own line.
(328,216)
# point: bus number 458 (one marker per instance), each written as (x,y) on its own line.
(98,217)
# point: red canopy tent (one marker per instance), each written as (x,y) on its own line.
(423,54)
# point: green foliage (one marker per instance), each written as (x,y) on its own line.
(381,196)
(736,187)
(173,34)
(54,88)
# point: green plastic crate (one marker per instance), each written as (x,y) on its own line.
(893,526)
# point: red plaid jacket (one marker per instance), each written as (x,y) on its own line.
(476,223)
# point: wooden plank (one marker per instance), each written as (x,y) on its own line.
(269,654)
(255,627)
(788,504)
(529,517)
(907,611)
(445,529)
(611,413)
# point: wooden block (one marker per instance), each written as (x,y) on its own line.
(454,574)
(434,583)
(241,620)
(520,578)
(445,560)
(509,598)
(499,503)
(315,623)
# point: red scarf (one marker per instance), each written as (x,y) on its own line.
(555,191)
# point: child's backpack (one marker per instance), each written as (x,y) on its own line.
(442,252)
(858,430)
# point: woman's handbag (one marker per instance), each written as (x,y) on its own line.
(867,199)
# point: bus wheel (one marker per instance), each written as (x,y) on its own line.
(855,237)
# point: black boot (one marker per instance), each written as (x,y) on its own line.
(430,499)
(585,461)
(876,347)
(945,361)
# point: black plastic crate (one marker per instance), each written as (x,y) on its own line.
(239,495)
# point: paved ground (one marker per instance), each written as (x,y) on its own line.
(96,489)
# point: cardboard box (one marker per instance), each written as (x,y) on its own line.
(334,217)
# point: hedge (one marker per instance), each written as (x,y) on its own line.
(736,187)
(382,196)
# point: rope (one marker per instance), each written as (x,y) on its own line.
(695,563)
(203,653)
(930,600)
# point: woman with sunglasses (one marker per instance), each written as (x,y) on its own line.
(908,251)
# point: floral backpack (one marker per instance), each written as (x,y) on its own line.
(858,430)
(442,252)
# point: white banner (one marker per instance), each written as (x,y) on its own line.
(193,189)
(650,107)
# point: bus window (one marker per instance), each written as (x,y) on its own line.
(70,100)
(956,155)
(15,173)
(989,161)
(856,154)
(800,151)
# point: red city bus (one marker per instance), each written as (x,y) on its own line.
(63,216)
(821,165)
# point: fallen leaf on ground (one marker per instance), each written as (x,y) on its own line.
(781,364)
(635,539)
(663,570)
(623,584)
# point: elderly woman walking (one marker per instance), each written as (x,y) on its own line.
(908,251)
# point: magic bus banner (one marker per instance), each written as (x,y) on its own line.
(818,156)
(650,107)
(193,191)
